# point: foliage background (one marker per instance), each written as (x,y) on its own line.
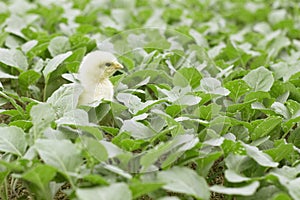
(207,107)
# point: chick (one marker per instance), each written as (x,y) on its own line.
(94,72)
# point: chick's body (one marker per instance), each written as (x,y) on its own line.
(94,73)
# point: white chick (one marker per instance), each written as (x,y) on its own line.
(94,72)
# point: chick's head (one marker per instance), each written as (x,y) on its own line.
(97,66)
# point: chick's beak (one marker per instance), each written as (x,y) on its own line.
(117,65)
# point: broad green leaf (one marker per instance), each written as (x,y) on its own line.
(156,76)
(93,130)
(260,157)
(137,129)
(237,88)
(28,78)
(282,196)
(112,149)
(134,103)
(188,100)
(277,45)
(244,191)
(116,170)
(76,117)
(40,175)
(259,79)
(287,177)
(213,86)
(73,62)
(181,96)
(6,75)
(210,111)
(184,180)
(95,148)
(281,109)
(265,127)
(95,179)
(12,140)
(54,63)
(39,178)
(29,45)
(23,124)
(294,189)
(59,45)
(65,98)
(240,106)
(140,188)
(236,162)
(116,191)
(179,144)
(61,154)
(13,58)
(268,193)
(294,137)
(277,15)
(285,70)
(234,177)
(42,116)
(293,107)
(204,164)
(280,152)
(189,75)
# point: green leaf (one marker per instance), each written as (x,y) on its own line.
(59,45)
(12,140)
(139,188)
(184,180)
(61,154)
(213,86)
(95,179)
(13,58)
(288,178)
(280,152)
(237,88)
(156,76)
(95,148)
(259,79)
(28,78)
(178,144)
(261,158)
(75,117)
(42,116)
(134,103)
(137,129)
(277,44)
(116,191)
(210,111)
(23,124)
(187,77)
(54,63)
(281,109)
(40,176)
(234,177)
(294,137)
(265,127)
(6,75)
(65,98)
(285,70)
(244,191)
(294,189)
(180,96)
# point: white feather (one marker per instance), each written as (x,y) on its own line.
(94,77)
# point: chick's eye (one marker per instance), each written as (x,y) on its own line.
(107,64)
